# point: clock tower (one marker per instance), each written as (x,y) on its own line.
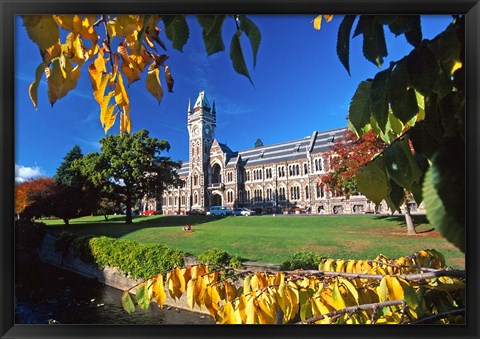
(201,131)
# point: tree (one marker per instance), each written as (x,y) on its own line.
(32,197)
(119,48)
(130,166)
(346,156)
(258,143)
(417,106)
(69,200)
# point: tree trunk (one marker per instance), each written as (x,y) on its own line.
(409,222)
(128,212)
(66,221)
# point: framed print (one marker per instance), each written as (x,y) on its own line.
(239,169)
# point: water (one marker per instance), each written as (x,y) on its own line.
(45,293)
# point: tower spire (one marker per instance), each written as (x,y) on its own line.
(213,107)
(189,110)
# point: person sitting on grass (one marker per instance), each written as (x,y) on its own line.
(187,227)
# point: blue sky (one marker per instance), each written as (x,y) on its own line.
(300,86)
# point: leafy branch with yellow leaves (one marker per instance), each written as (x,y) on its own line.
(119,53)
(379,291)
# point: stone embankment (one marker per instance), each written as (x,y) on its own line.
(113,277)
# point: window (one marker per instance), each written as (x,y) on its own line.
(195,198)
(295,193)
(281,171)
(268,173)
(248,195)
(281,193)
(305,169)
(195,180)
(306,192)
(318,165)
(248,175)
(230,196)
(320,191)
(269,194)
(229,176)
(257,195)
(183,200)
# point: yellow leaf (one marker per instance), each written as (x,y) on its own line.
(33,88)
(250,311)
(340,266)
(191,293)
(350,266)
(382,290)
(254,282)
(457,65)
(353,291)
(104,107)
(246,284)
(328,18)
(158,289)
(230,290)
(131,71)
(169,79)
(329,265)
(71,23)
(61,78)
(317,22)
(200,287)
(240,315)
(338,302)
(268,315)
(395,290)
(43,30)
(125,121)
(109,118)
(121,95)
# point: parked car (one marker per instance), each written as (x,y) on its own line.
(149,212)
(243,211)
(220,210)
(196,212)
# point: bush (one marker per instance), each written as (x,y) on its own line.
(29,235)
(216,256)
(137,259)
(302,260)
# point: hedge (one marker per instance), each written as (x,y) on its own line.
(131,257)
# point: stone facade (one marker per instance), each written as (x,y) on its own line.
(279,178)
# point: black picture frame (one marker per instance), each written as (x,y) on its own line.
(10,8)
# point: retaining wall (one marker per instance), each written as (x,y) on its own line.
(113,277)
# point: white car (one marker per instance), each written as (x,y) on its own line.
(243,211)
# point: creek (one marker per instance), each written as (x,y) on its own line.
(47,294)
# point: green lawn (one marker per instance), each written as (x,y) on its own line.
(274,239)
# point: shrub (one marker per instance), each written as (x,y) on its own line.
(137,259)
(216,256)
(302,260)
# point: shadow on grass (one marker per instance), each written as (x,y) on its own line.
(400,219)
(115,225)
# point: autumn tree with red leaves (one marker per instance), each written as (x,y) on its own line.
(31,197)
(347,155)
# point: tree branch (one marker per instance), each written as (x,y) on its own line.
(354,309)
(439,316)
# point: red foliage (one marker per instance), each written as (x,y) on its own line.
(347,155)
(31,191)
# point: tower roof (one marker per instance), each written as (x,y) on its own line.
(202,101)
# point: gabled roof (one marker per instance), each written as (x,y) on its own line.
(286,151)
(290,150)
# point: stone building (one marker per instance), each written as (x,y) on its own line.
(279,178)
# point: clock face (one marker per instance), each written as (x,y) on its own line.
(207,131)
(196,131)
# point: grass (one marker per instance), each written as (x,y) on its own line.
(274,239)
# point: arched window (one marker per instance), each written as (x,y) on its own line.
(195,198)
(306,192)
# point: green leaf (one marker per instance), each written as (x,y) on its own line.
(394,125)
(423,69)
(374,45)
(253,34)
(423,142)
(444,192)
(127,302)
(359,110)
(403,100)
(379,98)
(143,296)
(395,197)
(409,25)
(212,32)
(236,55)
(343,40)
(400,164)
(177,31)
(372,180)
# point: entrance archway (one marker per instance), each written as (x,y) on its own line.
(216,200)
(216,175)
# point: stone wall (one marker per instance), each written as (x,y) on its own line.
(113,277)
